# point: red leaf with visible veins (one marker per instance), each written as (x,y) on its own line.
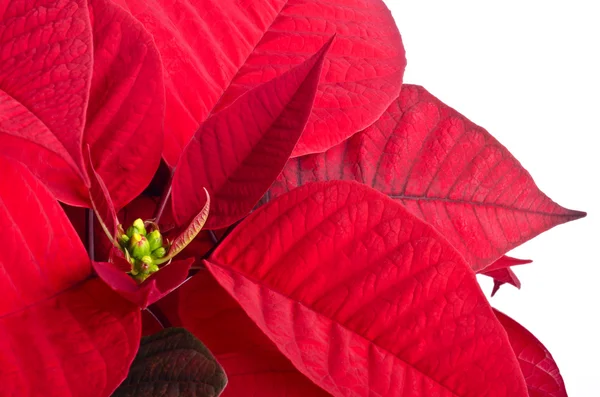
(52,87)
(445,170)
(228,47)
(251,361)
(364,298)
(539,368)
(54,321)
(45,73)
(237,153)
(127,102)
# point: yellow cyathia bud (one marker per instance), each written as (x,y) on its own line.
(138,246)
(137,227)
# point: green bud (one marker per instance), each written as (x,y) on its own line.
(137,227)
(138,246)
(143,268)
(155,239)
(123,240)
(159,252)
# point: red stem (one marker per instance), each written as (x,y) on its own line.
(89,221)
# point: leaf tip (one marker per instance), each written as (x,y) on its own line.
(577,214)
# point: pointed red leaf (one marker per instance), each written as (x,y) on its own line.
(191,231)
(215,50)
(237,153)
(364,298)
(539,368)
(60,333)
(125,114)
(504,262)
(502,273)
(159,284)
(45,73)
(251,361)
(102,203)
(501,277)
(444,169)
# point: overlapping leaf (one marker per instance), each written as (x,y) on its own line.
(80,72)
(173,363)
(252,362)
(45,74)
(444,169)
(539,368)
(124,125)
(364,298)
(237,153)
(228,47)
(54,320)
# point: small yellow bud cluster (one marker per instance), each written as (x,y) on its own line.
(143,249)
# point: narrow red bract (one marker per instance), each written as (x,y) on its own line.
(539,369)
(213,51)
(501,277)
(124,120)
(502,273)
(364,298)
(161,283)
(445,170)
(102,204)
(252,362)
(52,315)
(237,153)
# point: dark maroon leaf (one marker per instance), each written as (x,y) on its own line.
(173,363)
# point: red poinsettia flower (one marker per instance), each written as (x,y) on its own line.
(348,213)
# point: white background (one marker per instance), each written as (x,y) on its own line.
(528,72)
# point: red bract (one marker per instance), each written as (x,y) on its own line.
(62,333)
(237,153)
(445,170)
(360,284)
(215,50)
(502,273)
(252,362)
(364,298)
(45,73)
(539,369)
(85,72)
(124,120)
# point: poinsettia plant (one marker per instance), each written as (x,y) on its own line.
(250,186)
